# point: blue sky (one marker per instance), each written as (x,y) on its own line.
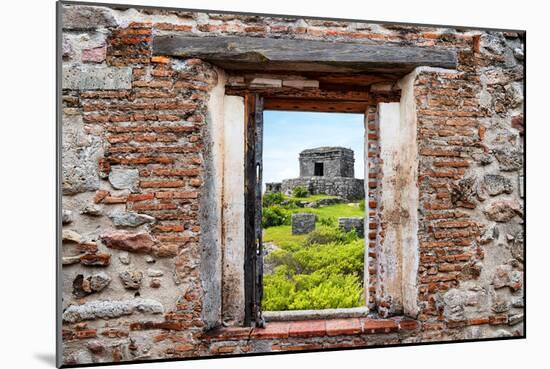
(288,133)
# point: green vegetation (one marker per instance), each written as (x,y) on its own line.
(275,215)
(320,270)
(272,198)
(300,192)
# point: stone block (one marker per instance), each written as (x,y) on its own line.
(130,219)
(96,78)
(87,17)
(80,155)
(303,223)
(349,224)
(124,179)
(110,309)
(94,54)
(495,184)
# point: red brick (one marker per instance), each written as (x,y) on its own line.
(141,197)
(337,327)
(184,347)
(229,333)
(160,59)
(408,324)
(307,328)
(89,333)
(169,228)
(177,195)
(498,319)
(161,184)
(100,195)
(379,326)
(478,321)
(272,330)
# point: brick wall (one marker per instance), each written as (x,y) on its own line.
(136,151)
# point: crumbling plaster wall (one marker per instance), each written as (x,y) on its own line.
(141,229)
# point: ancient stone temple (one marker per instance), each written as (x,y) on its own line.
(327,162)
(326,170)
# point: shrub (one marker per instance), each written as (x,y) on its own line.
(324,235)
(274,215)
(328,221)
(333,258)
(287,291)
(272,198)
(300,192)
(362,205)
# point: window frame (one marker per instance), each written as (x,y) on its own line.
(255,105)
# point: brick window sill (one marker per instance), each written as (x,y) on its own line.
(315,328)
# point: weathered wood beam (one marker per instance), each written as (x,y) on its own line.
(308,94)
(290,104)
(254,53)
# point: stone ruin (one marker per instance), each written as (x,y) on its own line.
(303,223)
(325,170)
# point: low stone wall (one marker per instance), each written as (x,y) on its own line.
(348,224)
(348,188)
(273,187)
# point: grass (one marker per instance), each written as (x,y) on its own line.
(336,211)
(282,235)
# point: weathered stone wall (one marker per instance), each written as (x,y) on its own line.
(141,246)
(345,187)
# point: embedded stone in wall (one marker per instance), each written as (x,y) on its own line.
(124,179)
(509,160)
(96,78)
(454,301)
(124,258)
(495,184)
(80,155)
(131,279)
(489,235)
(130,219)
(505,276)
(517,246)
(503,211)
(128,241)
(303,223)
(96,260)
(349,224)
(110,309)
(66,217)
(70,260)
(87,17)
(93,283)
(94,54)
(68,235)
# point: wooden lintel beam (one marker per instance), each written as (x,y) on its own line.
(290,104)
(255,53)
